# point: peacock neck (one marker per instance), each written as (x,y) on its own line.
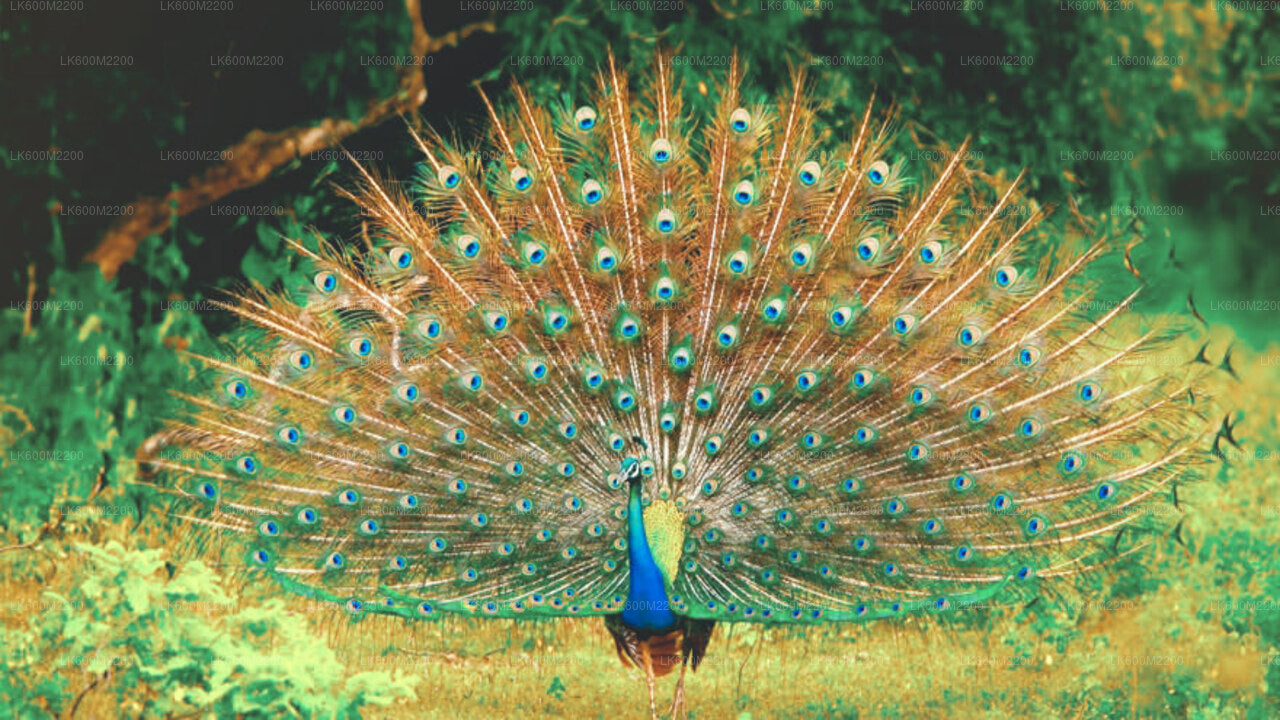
(647,608)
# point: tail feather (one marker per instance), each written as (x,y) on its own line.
(866,396)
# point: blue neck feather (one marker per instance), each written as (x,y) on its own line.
(647,608)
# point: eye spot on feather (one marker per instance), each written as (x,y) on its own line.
(360,346)
(867,248)
(246,465)
(1001,502)
(744,192)
(660,151)
(289,435)
(520,179)
(930,252)
(895,507)
(585,118)
(592,192)
(809,174)
(1005,276)
(301,360)
(1030,428)
(740,120)
(878,173)
(400,257)
(325,281)
(1072,462)
(448,176)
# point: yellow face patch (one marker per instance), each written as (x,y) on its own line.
(664,529)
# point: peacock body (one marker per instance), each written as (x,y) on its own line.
(675,373)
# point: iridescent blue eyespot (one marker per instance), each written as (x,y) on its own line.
(1001,501)
(1005,275)
(739,120)
(1071,462)
(585,118)
(448,176)
(1088,392)
(878,173)
(1105,491)
(325,281)
(400,257)
(930,253)
(208,491)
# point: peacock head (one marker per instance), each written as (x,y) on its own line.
(631,470)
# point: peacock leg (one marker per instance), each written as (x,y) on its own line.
(677,702)
(648,677)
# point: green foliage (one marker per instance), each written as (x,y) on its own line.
(167,641)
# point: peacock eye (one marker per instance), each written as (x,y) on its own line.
(738,262)
(744,192)
(1028,355)
(903,324)
(468,245)
(429,328)
(606,259)
(534,252)
(773,310)
(407,392)
(448,176)
(840,316)
(810,173)
(666,220)
(400,257)
(585,118)
(360,346)
(740,120)
(1005,276)
(930,253)
(801,254)
(868,248)
(664,288)
(969,336)
(325,281)
(520,179)
(592,192)
(236,389)
(878,173)
(660,150)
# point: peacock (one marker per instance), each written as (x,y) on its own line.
(674,371)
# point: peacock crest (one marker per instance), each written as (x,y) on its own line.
(835,392)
